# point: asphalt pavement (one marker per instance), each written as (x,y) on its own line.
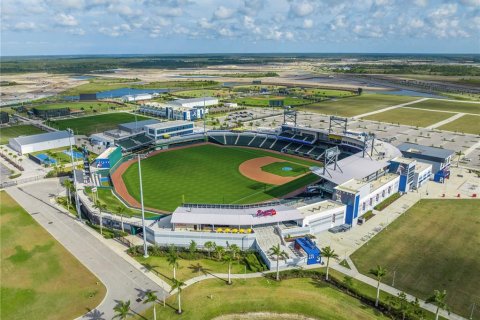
(122,280)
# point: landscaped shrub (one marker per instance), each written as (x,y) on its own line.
(254,263)
(385,203)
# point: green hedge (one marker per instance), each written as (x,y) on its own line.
(385,203)
(254,263)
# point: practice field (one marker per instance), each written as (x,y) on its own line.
(88,107)
(212,298)
(454,106)
(264,101)
(93,124)
(15,131)
(285,169)
(206,174)
(39,278)
(410,117)
(352,106)
(434,245)
(465,124)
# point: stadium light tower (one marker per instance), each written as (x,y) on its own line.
(77,202)
(145,249)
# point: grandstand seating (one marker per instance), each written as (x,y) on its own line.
(134,142)
(244,140)
(303,149)
(230,139)
(126,144)
(257,141)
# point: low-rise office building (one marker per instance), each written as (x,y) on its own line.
(42,141)
(165,130)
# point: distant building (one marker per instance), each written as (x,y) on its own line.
(88,96)
(230,104)
(4,117)
(136,126)
(137,97)
(257,82)
(439,158)
(165,130)
(194,102)
(42,141)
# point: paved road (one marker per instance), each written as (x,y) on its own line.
(123,281)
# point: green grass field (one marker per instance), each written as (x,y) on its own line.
(218,93)
(276,168)
(205,174)
(106,197)
(434,245)
(88,107)
(15,131)
(39,278)
(263,101)
(454,106)
(465,124)
(411,117)
(322,92)
(187,268)
(93,124)
(352,106)
(212,298)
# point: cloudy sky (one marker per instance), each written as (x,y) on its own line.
(31,27)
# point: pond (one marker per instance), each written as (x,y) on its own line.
(120,92)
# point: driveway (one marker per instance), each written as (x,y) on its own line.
(123,281)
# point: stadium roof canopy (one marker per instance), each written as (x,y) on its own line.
(42,137)
(413,150)
(137,124)
(352,167)
(229,216)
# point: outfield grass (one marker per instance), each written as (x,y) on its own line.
(465,124)
(455,106)
(212,298)
(410,117)
(352,106)
(204,174)
(88,107)
(264,101)
(93,124)
(15,131)
(434,245)
(39,278)
(276,168)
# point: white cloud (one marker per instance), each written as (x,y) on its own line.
(302,8)
(24,26)
(289,36)
(368,31)
(223,13)
(115,31)
(226,32)
(420,3)
(308,23)
(77,31)
(205,24)
(66,20)
(471,3)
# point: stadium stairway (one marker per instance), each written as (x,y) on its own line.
(267,238)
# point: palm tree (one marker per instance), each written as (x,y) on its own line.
(101,207)
(234,249)
(209,245)
(228,258)
(379,273)
(150,296)
(438,299)
(68,186)
(459,154)
(219,250)
(172,259)
(328,253)
(122,310)
(177,285)
(120,211)
(279,254)
(192,248)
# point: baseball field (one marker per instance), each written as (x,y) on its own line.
(209,173)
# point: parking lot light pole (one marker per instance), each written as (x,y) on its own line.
(145,248)
(77,201)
